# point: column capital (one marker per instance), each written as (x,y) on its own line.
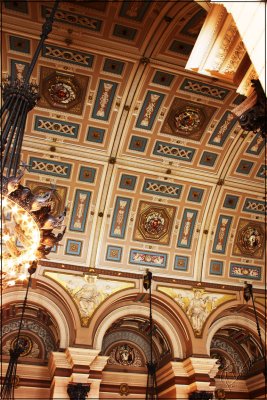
(78,391)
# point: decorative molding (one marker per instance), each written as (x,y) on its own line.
(49,167)
(67,17)
(68,55)
(222,233)
(56,127)
(104,99)
(148,258)
(172,151)
(80,210)
(149,110)
(187,228)
(255,206)
(120,216)
(244,271)
(162,188)
(204,89)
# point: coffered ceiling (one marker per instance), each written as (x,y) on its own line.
(146,155)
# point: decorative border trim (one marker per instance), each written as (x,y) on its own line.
(219,265)
(187,228)
(118,224)
(81,203)
(68,55)
(104,99)
(71,242)
(148,258)
(164,149)
(149,110)
(221,235)
(176,193)
(71,127)
(254,206)
(66,168)
(245,271)
(183,260)
(109,256)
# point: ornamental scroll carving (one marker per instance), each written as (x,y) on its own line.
(125,355)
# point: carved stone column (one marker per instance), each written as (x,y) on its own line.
(78,391)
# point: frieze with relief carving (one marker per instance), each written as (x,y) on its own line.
(125,355)
(88,292)
(197,304)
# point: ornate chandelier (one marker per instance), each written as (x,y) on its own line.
(27,224)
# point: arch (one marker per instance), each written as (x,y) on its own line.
(229,320)
(46,303)
(178,351)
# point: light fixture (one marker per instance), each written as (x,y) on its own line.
(9,384)
(151,387)
(251,113)
(26,221)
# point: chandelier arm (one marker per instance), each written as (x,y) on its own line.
(151,326)
(18,150)
(12,113)
(5,107)
(7,390)
(17,142)
(11,134)
(46,29)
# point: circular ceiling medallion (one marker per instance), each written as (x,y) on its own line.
(250,239)
(62,93)
(187,120)
(154,223)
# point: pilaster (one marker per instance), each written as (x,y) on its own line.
(180,378)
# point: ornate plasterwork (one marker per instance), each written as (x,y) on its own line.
(30,348)
(245,87)
(228,358)
(234,59)
(250,239)
(187,119)
(88,292)
(154,222)
(125,355)
(62,91)
(197,304)
(219,50)
(31,330)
